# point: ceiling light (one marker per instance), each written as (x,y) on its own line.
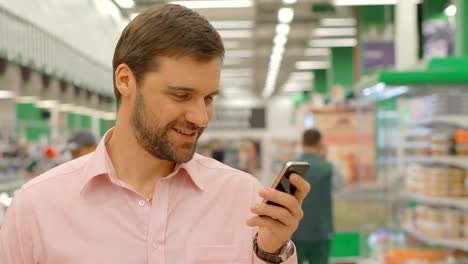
(280,40)
(337,22)
(232,24)
(278,49)
(125,3)
(322,43)
(215,4)
(46,103)
(334,32)
(133,15)
(289,2)
(312,65)
(6,94)
(285,15)
(240,33)
(282,29)
(450,11)
(317,52)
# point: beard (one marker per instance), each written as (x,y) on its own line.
(153,136)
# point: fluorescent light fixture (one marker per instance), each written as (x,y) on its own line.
(232,24)
(133,15)
(47,103)
(235,33)
(289,2)
(333,42)
(285,15)
(312,65)
(334,32)
(215,4)
(239,53)
(451,10)
(280,40)
(317,52)
(282,29)
(125,3)
(6,94)
(337,22)
(278,50)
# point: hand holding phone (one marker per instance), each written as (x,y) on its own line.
(282,182)
(279,214)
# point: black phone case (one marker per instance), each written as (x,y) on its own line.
(285,185)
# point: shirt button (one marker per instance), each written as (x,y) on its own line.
(155,246)
(142,202)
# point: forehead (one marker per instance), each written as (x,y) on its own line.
(186,72)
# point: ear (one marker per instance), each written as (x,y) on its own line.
(125,80)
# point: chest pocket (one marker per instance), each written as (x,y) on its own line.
(220,254)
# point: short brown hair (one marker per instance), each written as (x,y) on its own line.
(311,137)
(168,30)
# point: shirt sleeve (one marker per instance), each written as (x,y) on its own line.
(17,234)
(257,199)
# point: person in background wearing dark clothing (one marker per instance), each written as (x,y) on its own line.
(81,143)
(314,234)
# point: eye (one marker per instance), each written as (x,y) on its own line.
(209,99)
(181,97)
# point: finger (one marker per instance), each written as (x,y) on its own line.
(268,223)
(302,186)
(284,199)
(278,213)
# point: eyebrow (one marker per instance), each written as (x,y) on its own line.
(188,89)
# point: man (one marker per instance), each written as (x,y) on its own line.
(81,143)
(143,196)
(313,237)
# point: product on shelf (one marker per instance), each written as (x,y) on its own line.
(437,223)
(403,256)
(436,180)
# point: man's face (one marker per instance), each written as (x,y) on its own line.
(173,106)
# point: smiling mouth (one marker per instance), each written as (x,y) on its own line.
(185,132)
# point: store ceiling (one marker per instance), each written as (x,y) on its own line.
(248,33)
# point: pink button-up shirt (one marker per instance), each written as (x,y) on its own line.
(81,213)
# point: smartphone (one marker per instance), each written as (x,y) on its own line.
(282,181)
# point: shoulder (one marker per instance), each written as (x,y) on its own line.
(56,177)
(222,172)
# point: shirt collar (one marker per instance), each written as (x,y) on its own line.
(99,164)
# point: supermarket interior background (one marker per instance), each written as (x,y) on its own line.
(385,81)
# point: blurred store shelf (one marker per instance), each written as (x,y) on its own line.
(448,243)
(461,203)
(460,161)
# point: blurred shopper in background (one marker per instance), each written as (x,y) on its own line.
(81,143)
(315,232)
(144,196)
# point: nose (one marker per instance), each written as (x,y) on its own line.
(199,114)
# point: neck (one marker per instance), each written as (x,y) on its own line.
(312,149)
(133,164)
